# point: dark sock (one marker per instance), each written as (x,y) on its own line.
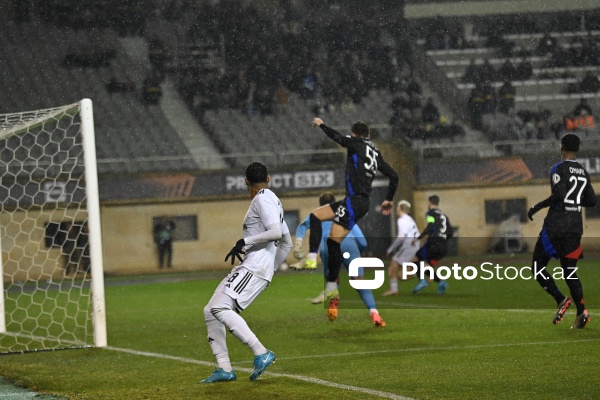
(569,267)
(335,260)
(548,284)
(315,234)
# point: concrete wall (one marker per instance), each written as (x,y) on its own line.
(128,246)
(465,207)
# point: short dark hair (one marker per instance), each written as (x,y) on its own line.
(435,200)
(326,198)
(257,172)
(360,128)
(570,142)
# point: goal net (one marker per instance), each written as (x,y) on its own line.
(52,286)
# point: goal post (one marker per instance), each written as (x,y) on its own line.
(51,266)
(93,208)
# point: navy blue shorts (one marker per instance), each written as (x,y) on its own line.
(432,253)
(568,245)
(350,210)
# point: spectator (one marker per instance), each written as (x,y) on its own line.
(430,113)
(507,71)
(475,106)
(582,107)
(546,45)
(151,90)
(163,237)
(116,85)
(507,95)
(489,98)
(413,88)
(524,70)
(590,83)
(488,73)
(472,73)
(542,122)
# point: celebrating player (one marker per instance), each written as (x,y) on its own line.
(352,245)
(264,247)
(438,231)
(403,248)
(561,233)
(363,160)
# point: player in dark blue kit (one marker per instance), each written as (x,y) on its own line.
(561,233)
(363,160)
(438,231)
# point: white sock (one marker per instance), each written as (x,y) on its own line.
(217,340)
(394,285)
(372,310)
(312,256)
(239,328)
(331,286)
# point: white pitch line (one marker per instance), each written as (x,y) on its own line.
(416,349)
(316,381)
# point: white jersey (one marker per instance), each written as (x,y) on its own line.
(265,210)
(407,232)
(407,227)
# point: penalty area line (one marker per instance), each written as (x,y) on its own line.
(422,349)
(316,381)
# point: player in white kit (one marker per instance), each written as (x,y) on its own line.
(265,245)
(404,247)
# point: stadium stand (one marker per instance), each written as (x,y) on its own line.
(254,80)
(131,138)
(256,86)
(550,73)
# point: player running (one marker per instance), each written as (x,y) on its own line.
(264,247)
(363,160)
(404,249)
(438,231)
(352,245)
(561,233)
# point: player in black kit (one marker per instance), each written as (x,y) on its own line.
(362,163)
(438,231)
(561,233)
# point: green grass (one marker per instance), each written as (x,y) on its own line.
(432,348)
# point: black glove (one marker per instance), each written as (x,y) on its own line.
(531,212)
(236,251)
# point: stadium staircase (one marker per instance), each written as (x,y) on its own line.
(201,147)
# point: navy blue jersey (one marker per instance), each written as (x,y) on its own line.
(363,160)
(438,226)
(571,190)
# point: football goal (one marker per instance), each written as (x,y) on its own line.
(52,286)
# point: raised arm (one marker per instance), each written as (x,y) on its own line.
(387,170)
(332,133)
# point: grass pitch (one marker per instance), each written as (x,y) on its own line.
(465,345)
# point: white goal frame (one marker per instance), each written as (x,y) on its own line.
(93,219)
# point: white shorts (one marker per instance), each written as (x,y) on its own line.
(406,253)
(242,286)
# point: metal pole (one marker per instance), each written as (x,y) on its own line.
(93,209)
